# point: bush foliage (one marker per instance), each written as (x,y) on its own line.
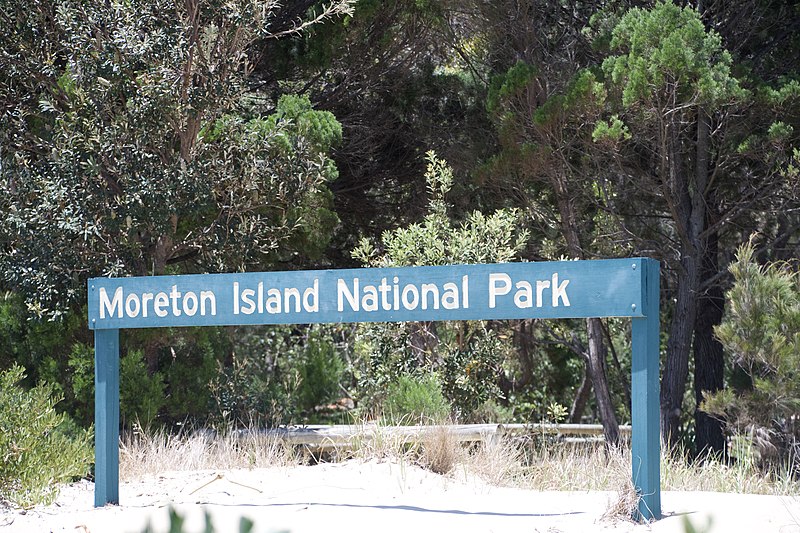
(465,354)
(761,331)
(36,454)
(416,399)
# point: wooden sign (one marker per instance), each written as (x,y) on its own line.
(562,289)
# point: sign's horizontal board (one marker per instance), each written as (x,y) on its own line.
(562,289)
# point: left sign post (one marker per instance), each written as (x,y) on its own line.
(106,416)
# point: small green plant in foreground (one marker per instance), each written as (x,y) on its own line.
(176,524)
(36,454)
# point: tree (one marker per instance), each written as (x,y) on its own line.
(131,144)
(390,79)
(545,133)
(761,332)
(693,153)
(543,104)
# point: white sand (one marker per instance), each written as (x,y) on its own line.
(380,497)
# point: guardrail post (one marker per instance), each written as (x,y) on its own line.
(106,417)
(645,432)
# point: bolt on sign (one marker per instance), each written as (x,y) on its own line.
(562,289)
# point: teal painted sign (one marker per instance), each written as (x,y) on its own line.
(562,289)
(566,289)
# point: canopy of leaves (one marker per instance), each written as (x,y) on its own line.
(138,147)
(667,50)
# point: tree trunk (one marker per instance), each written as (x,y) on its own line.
(709,365)
(676,370)
(688,207)
(597,366)
(597,349)
(581,396)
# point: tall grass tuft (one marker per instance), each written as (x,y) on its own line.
(440,451)
(143,454)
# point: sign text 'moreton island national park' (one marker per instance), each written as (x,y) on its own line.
(454,292)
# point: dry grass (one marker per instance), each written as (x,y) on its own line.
(623,505)
(576,467)
(497,462)
(526,463)
(145,454)
(440,451)
(713,476)
(375,441)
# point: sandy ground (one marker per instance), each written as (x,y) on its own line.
(380,497)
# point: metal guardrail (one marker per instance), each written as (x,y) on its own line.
(345,436)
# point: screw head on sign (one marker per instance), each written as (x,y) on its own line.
(633,266)
(633,307)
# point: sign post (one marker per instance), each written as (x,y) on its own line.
(563,289)
(106,416)
(645,428)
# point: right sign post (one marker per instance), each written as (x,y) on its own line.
(646,438)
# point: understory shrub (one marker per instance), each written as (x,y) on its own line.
(414,399)
(36,454)
(761,332)
(321,372)
(466,354)
(280,375)
(141,394)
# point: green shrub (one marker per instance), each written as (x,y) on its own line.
(279,375)
(466,355)
(761,332)
(36,455)
(141,395)
(470,373)
(189,361)
(320,372)
(259,384)
(416,399)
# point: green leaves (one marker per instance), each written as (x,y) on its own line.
(504,86)
(35,456)
(148,155)
(761,331)
(468,355)
(612,130)
(479,238)
(667,58)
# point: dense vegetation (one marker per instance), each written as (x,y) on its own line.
(169,137)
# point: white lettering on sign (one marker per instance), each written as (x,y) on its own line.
(275,301)
(395,296)
(560,291)
(500,284)
(392,294)
(109,306)
(135,304)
